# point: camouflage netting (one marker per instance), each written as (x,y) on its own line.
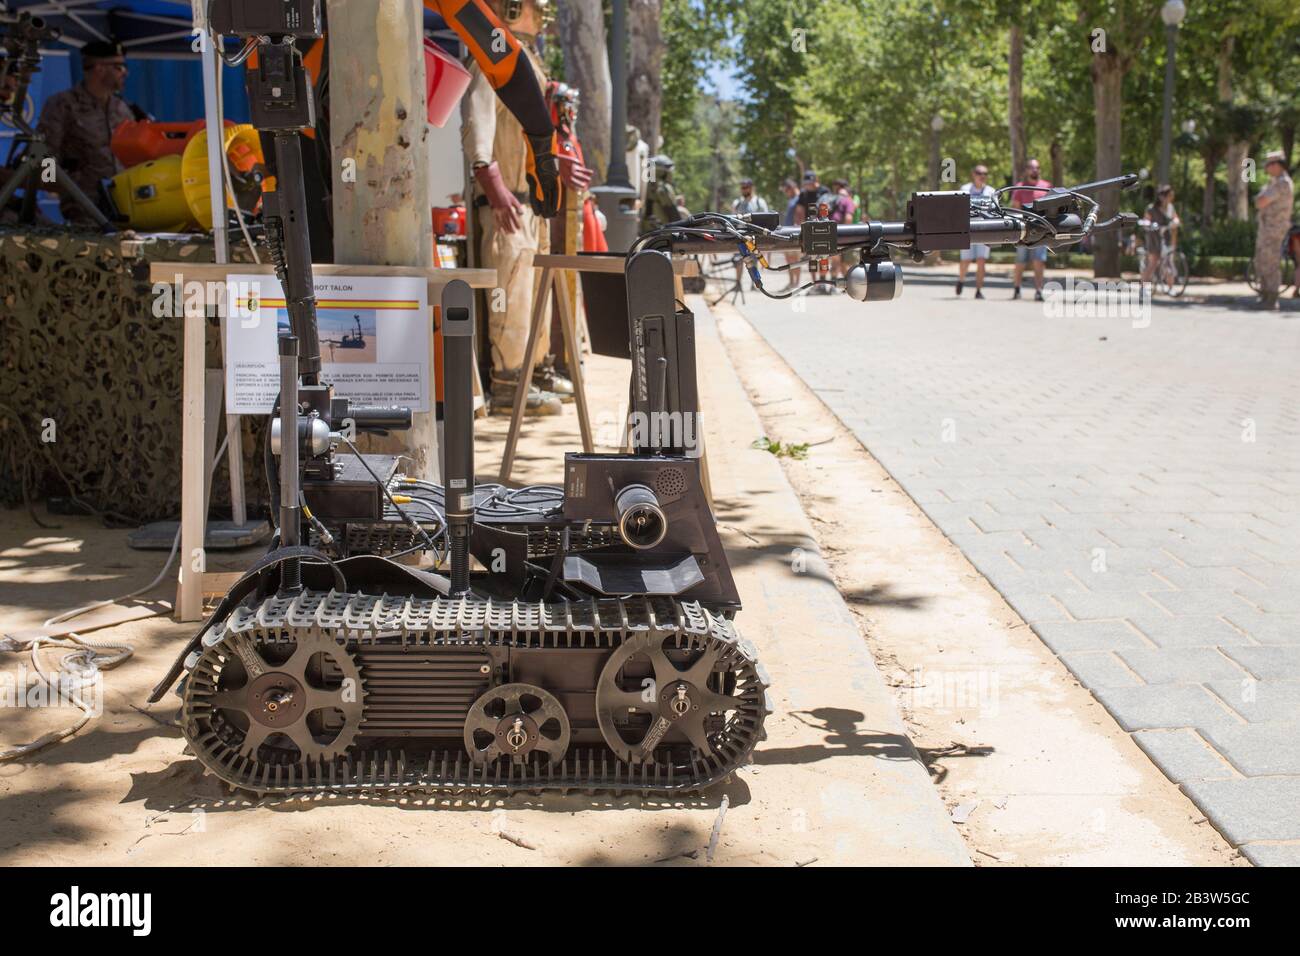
(80,347)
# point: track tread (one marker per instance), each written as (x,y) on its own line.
(359,618)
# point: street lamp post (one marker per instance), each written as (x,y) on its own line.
(617,197)
(1172,14)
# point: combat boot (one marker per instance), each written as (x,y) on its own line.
(547,378)
(537,403)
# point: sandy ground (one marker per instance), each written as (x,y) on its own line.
(1036,770)
(837,782)
(840,779)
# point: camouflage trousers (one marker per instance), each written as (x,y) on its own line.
(1268,262)
(510,304)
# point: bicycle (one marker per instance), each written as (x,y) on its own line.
(1288,264)
(1171,271)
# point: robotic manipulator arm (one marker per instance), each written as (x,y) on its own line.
(935,221)
(281,103)
(507,68)
(280,100)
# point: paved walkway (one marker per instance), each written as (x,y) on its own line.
(1134,493)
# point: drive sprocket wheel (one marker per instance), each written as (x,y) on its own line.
(516,720)
(706,694)
(276,702)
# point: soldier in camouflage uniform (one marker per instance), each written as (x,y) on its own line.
(661,206)
(1274,204)
(78,124)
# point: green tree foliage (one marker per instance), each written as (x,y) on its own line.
(850,87)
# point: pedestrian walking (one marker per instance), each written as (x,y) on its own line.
(979,189)
(811,197)
(1274,203)
(788,219)
(748,202)
(844,210)
(1160,214)
(1031,186)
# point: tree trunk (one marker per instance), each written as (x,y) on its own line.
(1288,141)
(377,118)
(1107,97)
(1058,163)
(1015,100)
(1238,150)
(1238,188)
(1211,157)
(644,84)
(586,67)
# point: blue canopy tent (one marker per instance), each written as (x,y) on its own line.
(166,77)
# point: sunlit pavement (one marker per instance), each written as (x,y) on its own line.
(1129,481)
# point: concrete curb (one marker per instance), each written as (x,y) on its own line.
(856,783)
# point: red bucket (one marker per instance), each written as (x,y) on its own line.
(445,82)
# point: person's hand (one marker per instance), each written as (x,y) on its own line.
(573,174)
(505,207)
(543,175)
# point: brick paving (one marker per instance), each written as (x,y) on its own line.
(1133,492)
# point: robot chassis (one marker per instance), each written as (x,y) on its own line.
(597,649)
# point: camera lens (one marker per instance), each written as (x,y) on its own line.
(641,522)
(877,281)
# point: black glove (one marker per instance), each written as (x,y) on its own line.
(543,175)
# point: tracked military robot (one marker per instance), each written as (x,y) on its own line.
(556,638)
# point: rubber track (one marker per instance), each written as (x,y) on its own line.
(359,618)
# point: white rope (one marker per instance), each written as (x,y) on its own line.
(85,658)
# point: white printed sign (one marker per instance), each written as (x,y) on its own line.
(374,340)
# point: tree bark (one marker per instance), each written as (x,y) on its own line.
(1212,158)
(1107,96)
(377,119)
(1015,99)
(1238,190)
(586,67)
(644,81)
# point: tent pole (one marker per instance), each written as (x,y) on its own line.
(216,134)
(220,238)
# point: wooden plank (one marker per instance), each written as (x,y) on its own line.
(189,599)
(211,272)
(569,325)
(541,313)
(214,380)
(681,267)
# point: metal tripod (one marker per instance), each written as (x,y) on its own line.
(36,164)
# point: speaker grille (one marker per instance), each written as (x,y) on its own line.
(670,482)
